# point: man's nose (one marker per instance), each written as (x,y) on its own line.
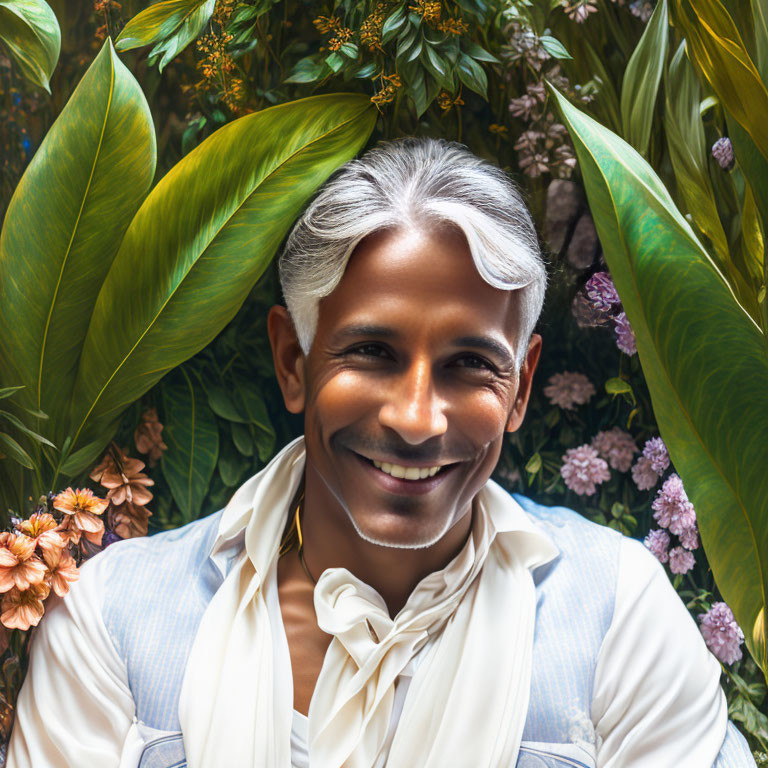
(413,408)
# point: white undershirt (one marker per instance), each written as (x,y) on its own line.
(656,698)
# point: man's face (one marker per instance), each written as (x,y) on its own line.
(409,386)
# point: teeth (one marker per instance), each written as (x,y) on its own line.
(406,473)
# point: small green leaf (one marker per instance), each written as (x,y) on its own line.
(393,24)
(367,70)
(8,391)
(617,387)
(242,438)
(25,429)
(473,75)
(306,70)
(534,464)
(478,53)
(14,451)
(334,61)
(31,32)
(349,50)
(618,510)
(553,47)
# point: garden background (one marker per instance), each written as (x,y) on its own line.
(131,368)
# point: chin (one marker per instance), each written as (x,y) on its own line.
(387,530)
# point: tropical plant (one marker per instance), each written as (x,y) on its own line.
(81,228)
(697,306)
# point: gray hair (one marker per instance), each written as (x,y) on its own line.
(413,182)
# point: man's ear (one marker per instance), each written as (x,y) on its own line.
(287,357)
(524,383)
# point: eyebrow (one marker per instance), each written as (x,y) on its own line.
(354,331)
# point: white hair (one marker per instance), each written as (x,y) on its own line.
(414,182)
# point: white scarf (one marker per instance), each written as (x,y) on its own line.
(468,699)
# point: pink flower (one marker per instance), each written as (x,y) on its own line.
(602,292)
(625,336)
(61,570)
(22,609)
(658,542)
(721,633)
(689,538)
(671,508)
(568,389)
(643,474)
(656,452)
(616,446)
(583,469)
(681,560)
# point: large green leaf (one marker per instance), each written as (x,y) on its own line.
(170,25)
(201,240)
(689,153)
(31,32)
(717,50)
(703,357)
(760,22)
(641,80)
(192,437)
(63,228)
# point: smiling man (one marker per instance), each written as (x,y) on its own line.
(372,598)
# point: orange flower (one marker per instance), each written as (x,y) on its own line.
(80,508)
(61,570)
(22,609)
(42,528)
(148,436)
(125,482)
(129,520)
(19,566)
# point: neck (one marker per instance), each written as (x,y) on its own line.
(331,541)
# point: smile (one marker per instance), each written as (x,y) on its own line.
(406,473)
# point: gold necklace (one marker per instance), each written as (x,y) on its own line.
(301,543)
(294,538)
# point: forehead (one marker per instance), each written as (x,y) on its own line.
(423,278)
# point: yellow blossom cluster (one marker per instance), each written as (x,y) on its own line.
(35,557)
(343,35)
(370,29)
(429,10)
(390,84)
(453,26)
(445,101)
(327,24)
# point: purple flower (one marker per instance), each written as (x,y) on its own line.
(569,389)
(671,508)
(616,446)
(681,560)
(583,469)
(656,452)
(657,541)
(689,538)
(625,336)
(722,634)
(722,151)
(602,292)
(643,474)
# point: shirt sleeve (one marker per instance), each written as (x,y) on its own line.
(75,708)
(656,697)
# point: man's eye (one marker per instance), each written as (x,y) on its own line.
(369,350)
(475,362)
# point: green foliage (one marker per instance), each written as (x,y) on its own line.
(63,229)
(170,26)
(642,79)
(198,244)
(695,342)
(30,31)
